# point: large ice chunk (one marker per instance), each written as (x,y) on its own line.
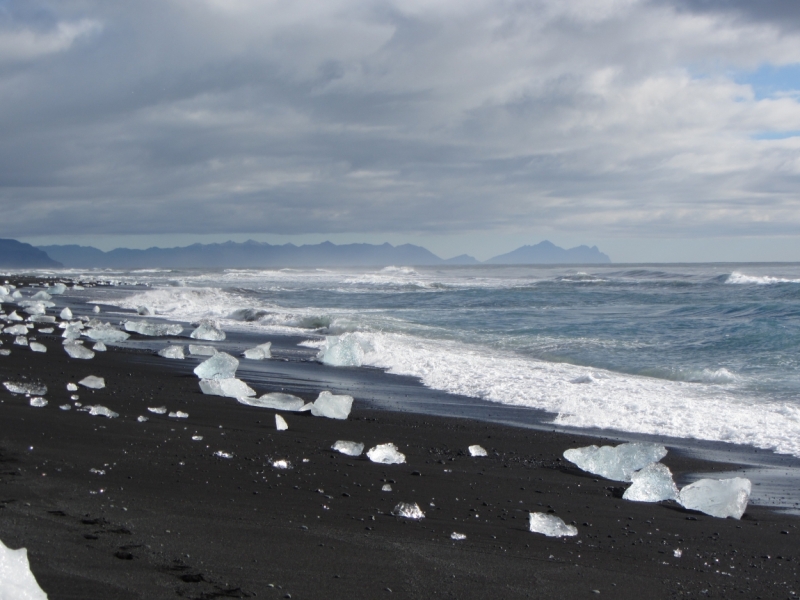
(197,350)
(58,289)
(276,400)
(66,314)
(550,525)
(18,387)
(476,450)
(13,316)
(408,511)
(349,448)
(331,406)
(101,411)
(617,463)
(37,347)
(717,497)
(16,330)
(107,333)
(42,319)
(16,579)
(652,484)
(386,454)
(78,351)
(92,382)
(220,366)
(153,329)
(259,352)
(342,351)
(172,352)
(208,330)
(230,388)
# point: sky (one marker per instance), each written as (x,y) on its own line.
(659,130)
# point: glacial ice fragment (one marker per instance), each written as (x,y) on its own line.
(220,366)
(142,419)
(66,314)
(280,423)
(13,316)
(102,411)
(386,454)
(92,382)
(387,487)
(408,511)
(349,448)
(41,296)
(550,525)
(457,536)
(197,350)
(282,463)
(38,402)
(42,319)
(99,347)
(58,289)
(65,407)
(477,450)
(230,388)
(34,389)
(259,352)
(616,463)
(96,309)
(652,484)
(341,351)
(172,352)
(159,410)
(145,311)
(37,347)
(71,333)
(178,414)
(5,352)
(153,329)
(16,579)
(71,387)
(46,330)
(21,340)
(107,333)
(78,351)
(223,454)
(276,400)
(208,330)
(197,438)
(717,497)
(331,406)
(16,330)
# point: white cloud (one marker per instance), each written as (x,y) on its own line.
(26,44)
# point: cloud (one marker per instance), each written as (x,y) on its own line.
(26,44)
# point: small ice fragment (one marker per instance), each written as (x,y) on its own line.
(159,410)
(99,347)
(41,296)
(457,536)
(34,389)
(652,484)
(477,450)
(5,352)
(16,330)
(46,330)
(71,387)
(220,366)
(21,340)
(408,511)
(145,311)
(107,333)
(259,352)
(281,464)
(66,314)
(386,454)
(677,553)
(16,294)
(97,471)
(178,414)
(717,497)
(197,438)
(58,289)
(102,411)
(71,332)
(349,448)
(172,352)
(306,407)
(74,397)
(230,388)
(616,463)
(387,487)
(42,319)
(65,407)
(38,402)
(196,350)
(223,454)
(13,316)
(37,347)
(276,400)
(331,406)
(96,309)
(208,330)
(142,419)
(550,525)
(153,329)
(16,579)
(280,423)
(78,351)
(92,382)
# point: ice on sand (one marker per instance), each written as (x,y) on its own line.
(37,347)
(13,316)
(550,525)
(280,423)
(477,450)
(386,454)
(66,314)
(197,350)
(341,351)
(457,536)
(349,448)
(99,347)
(58,289)
(208,330)
(159,410)
(102,411)
(107,333)
(38,402)
(16,330)
(152,329)
(78,351)
(230,388)
(386,487)
(65,407)
(259,352)
(34,389)
(408,511)
(276,400)
(616,462)
(178,414)
(652,484)
(21,340)
(282,463)
(92,382)
(172,352)
(41,296)
(220,366)
(145,311)
(717,497)
(71,387)
(331,406)
(16,579)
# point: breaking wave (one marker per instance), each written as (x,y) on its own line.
(741,278)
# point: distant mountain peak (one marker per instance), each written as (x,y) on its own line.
(546,252)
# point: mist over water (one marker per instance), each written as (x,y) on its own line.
(700,351)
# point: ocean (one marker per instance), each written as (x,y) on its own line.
(701,351)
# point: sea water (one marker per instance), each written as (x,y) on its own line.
(709,352)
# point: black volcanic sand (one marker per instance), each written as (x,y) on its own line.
(169,519)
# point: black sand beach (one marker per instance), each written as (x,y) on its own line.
(167,518)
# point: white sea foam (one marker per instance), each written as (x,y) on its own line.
(741,278)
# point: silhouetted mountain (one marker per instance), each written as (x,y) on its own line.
(18,255)
(462,259)
(548,253)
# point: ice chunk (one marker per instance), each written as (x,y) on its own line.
(408,511)
(21,340)
(16,294)
(107,333)
(71,332)
(46,330)
(276,400)
(342,351)
(386,454)
(99,347)
(96,309)
(66,314)
(197,350)
(178,414)
(220,366)
(280,423)
(146,311)
(78,351)
(16,330)
(13,316)
(652,484)
(477,450)
(93,383)
(550,525)
(159,410)
(259,352)
(42,319)
(102,411)
(331,406)
(282,463)
(230,388)
(142,419)
(172,352)
(4,352)
(386,487)
(153,329)
(71,387)
(38,402)
(197,438)
(41,296)
(223,454)
(37,347)
(35,308)
(65,407)
(457,536)
(677,553)
(34,389)
(208,330)
(349,448)
(617,463)
(58,289)
(16,579)
(717,497)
